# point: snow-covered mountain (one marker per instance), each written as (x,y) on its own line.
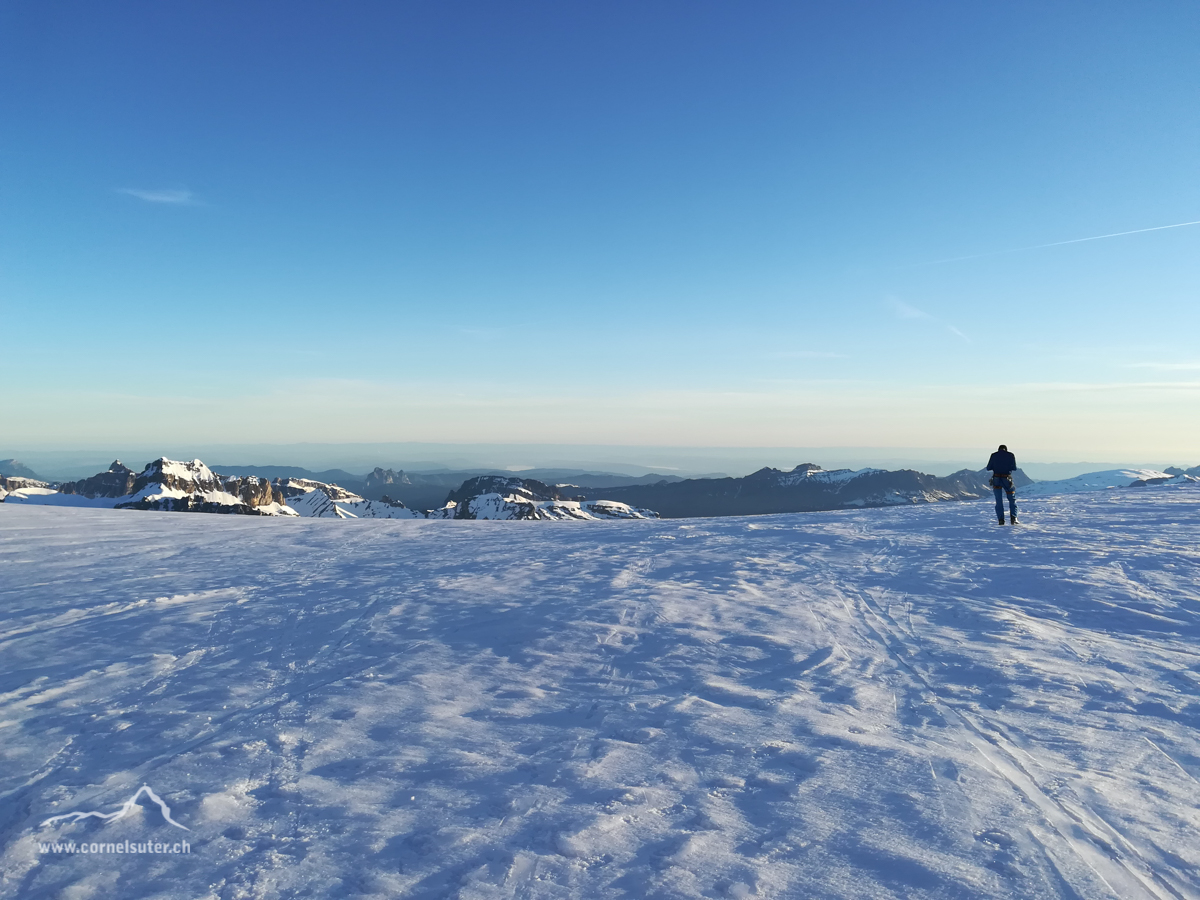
(485,497)
(887,704)
(314,499)
(515,506)
(1107,480)
(176,486)
(510,497)
(1175,470)
(11,483)
(164,484)
(193,487)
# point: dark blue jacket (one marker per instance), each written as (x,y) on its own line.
(1002,463)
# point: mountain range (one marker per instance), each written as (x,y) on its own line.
(174,486)
(805,488)
(428,490)
(171,485)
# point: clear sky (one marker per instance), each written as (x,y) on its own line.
(706,224)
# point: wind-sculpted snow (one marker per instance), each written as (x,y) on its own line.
(907,702)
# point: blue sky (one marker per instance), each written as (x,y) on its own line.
(631,223)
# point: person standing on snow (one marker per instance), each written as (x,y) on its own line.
(1002,464)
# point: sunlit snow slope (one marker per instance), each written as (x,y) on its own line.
(905,703)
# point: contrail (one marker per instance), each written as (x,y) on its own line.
(1098,237)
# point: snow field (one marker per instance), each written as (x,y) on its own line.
(908,702)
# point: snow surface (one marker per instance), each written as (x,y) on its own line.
(22,494)
(889,703)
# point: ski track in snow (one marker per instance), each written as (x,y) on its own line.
(885,703)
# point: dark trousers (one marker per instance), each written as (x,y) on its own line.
(1002,486)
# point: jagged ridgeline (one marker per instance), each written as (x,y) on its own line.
(175,486)
(806,488)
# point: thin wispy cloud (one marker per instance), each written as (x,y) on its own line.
(907,311)
(173,196)
(1095,237)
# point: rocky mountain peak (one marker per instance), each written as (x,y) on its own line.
(526,488)
(188,477)
(116,482)
(381,476)
(763,474)
(298,487)
(16,483)
(14,468)
(805,468)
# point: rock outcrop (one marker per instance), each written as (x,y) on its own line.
(15,483)
(380,477)
(116,482)
(253,491)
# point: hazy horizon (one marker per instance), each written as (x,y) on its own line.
(359,458)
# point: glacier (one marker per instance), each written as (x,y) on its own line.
(907,702)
